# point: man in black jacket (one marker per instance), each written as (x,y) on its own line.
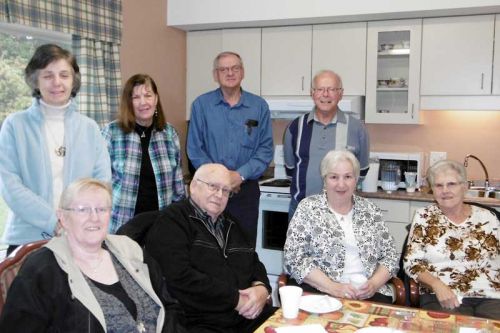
(209,265)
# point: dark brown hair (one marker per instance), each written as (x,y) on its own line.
(43,56)
(126,116)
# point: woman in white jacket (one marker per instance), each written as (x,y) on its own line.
(46,147)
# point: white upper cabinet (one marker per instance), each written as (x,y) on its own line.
(393,72)
(342,48)
(245,42)
(457,55)
(203,47)
(496,63)
(286,60)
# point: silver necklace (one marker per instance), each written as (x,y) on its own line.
(61,150)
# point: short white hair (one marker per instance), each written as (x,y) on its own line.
(332,159)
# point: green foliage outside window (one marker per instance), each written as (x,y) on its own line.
(14,55)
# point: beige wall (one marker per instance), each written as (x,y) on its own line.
(149,46)
(152,47)
(456,132)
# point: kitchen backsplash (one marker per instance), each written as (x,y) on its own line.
(457,133)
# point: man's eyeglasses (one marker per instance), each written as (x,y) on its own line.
(449,185)
(86,211)
(216,188)
(329,90)
(225,70)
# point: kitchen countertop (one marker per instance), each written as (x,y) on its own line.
(421,196)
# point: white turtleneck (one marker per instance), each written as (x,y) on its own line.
(54,134)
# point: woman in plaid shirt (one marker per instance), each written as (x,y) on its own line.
(145,153)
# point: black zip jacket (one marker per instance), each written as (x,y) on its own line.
(202,276)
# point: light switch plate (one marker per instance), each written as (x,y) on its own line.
(436,156)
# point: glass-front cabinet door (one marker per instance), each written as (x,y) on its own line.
(393,72)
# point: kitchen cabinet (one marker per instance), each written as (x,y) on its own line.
(393,72)
(342,48)
(457,55)
(496,60)
(396,217)
(286,61)
(203,47)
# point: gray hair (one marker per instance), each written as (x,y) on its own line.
(43,56)
(445,165)
(226,54)
(323,72)
(333,157)
(80,185)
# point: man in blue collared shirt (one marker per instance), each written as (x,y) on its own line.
(232,127)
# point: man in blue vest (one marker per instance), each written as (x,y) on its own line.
(309,137)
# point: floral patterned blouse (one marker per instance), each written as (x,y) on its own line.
(315,239)
(464,256)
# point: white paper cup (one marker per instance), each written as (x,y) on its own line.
(290,299)
(357,280)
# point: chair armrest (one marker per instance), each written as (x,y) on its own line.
(399,291)
(282,280)
(414,293)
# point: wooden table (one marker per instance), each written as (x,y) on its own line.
(357,314)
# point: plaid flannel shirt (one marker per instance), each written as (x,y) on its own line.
(126,153)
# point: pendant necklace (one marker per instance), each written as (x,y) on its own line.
(61,150)
(143,135)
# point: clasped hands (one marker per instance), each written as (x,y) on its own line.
(347,290)
(252,301)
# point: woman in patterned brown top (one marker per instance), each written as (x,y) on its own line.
(453,248)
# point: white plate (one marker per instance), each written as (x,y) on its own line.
(378,330)
(319,304)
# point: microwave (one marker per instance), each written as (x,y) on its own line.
(412,162)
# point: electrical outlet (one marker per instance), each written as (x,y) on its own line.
(436,156)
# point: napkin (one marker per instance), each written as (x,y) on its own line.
(313,328)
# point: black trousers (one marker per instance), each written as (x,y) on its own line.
(471,306)
(244,207)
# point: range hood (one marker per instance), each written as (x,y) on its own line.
(290,107)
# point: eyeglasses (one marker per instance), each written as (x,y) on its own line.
(86,211)
(329,90)
(449,185)
(216,188)
(225,70)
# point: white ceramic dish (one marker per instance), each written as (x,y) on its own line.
(319,304)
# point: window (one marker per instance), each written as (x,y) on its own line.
(17,45)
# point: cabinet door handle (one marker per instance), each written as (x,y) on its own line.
(412,105)
(482,81)
(384,210)
(303,83)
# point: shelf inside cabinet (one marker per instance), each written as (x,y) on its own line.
(388,89)
(394,52)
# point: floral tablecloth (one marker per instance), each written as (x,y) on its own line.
(357,314)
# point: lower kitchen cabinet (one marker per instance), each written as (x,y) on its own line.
(396,216)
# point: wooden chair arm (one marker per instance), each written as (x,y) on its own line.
(282,280)
(400,291)
(414,293)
